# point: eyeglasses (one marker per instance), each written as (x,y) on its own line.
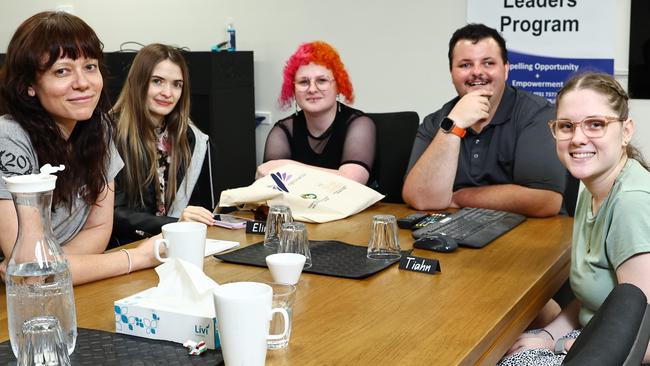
(592,127)
(322,83)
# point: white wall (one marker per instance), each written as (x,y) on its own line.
(395,51)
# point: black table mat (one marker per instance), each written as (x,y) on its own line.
(329,257)
(96,347)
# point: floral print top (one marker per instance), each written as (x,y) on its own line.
(163,149)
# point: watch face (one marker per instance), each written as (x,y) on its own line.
(560,347)
(446,124)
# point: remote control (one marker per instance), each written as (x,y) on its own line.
(408,221)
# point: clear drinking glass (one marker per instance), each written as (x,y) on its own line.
(278,215)
(283,297)
(42,343)
(384,243)
(293,239)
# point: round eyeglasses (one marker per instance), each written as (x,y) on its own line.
(322,83)
(593,127)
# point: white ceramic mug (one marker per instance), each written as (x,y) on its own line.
(182,240)
(244,315)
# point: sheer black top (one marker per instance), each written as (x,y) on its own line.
(350,139)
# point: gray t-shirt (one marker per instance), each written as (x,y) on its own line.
(18,157)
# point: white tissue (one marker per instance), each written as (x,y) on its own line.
(182,286)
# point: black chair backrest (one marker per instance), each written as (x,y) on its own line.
(395,135)
(571,194)
(617,334)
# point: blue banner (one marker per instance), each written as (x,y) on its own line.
(544,76)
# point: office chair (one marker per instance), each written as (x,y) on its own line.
(571,194)
(618,333)
(395,135)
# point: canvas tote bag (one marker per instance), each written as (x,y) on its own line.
(313,195)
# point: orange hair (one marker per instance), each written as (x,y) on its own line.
(319,53)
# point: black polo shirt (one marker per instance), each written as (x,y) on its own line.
(516,147)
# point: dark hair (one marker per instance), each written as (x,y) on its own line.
(35,46)
(476,32)
(607,86)
(136,136)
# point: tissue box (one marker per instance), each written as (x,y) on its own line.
(135,315)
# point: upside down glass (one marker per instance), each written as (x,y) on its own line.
(42,343)
(278,215)
(293,239)
(384,243)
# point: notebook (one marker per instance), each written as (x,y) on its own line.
(473,227)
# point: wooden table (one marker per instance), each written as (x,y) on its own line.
(468,314)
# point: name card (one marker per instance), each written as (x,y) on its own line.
(419,264)
(255,227)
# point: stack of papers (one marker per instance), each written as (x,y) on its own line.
(214,246)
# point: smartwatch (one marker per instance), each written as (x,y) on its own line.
(559,347)
(448,126)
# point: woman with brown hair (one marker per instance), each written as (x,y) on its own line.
(167,174)
(53,110)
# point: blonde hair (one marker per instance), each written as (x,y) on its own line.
(607,86)
(136,136)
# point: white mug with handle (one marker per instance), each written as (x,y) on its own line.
(244,315)
(182,240)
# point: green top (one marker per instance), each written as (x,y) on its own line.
(602,242)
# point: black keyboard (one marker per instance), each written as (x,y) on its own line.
(473,227)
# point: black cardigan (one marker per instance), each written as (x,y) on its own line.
(132,223)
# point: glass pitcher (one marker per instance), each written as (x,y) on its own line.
(38,279)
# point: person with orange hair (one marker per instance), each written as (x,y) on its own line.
(325,133)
